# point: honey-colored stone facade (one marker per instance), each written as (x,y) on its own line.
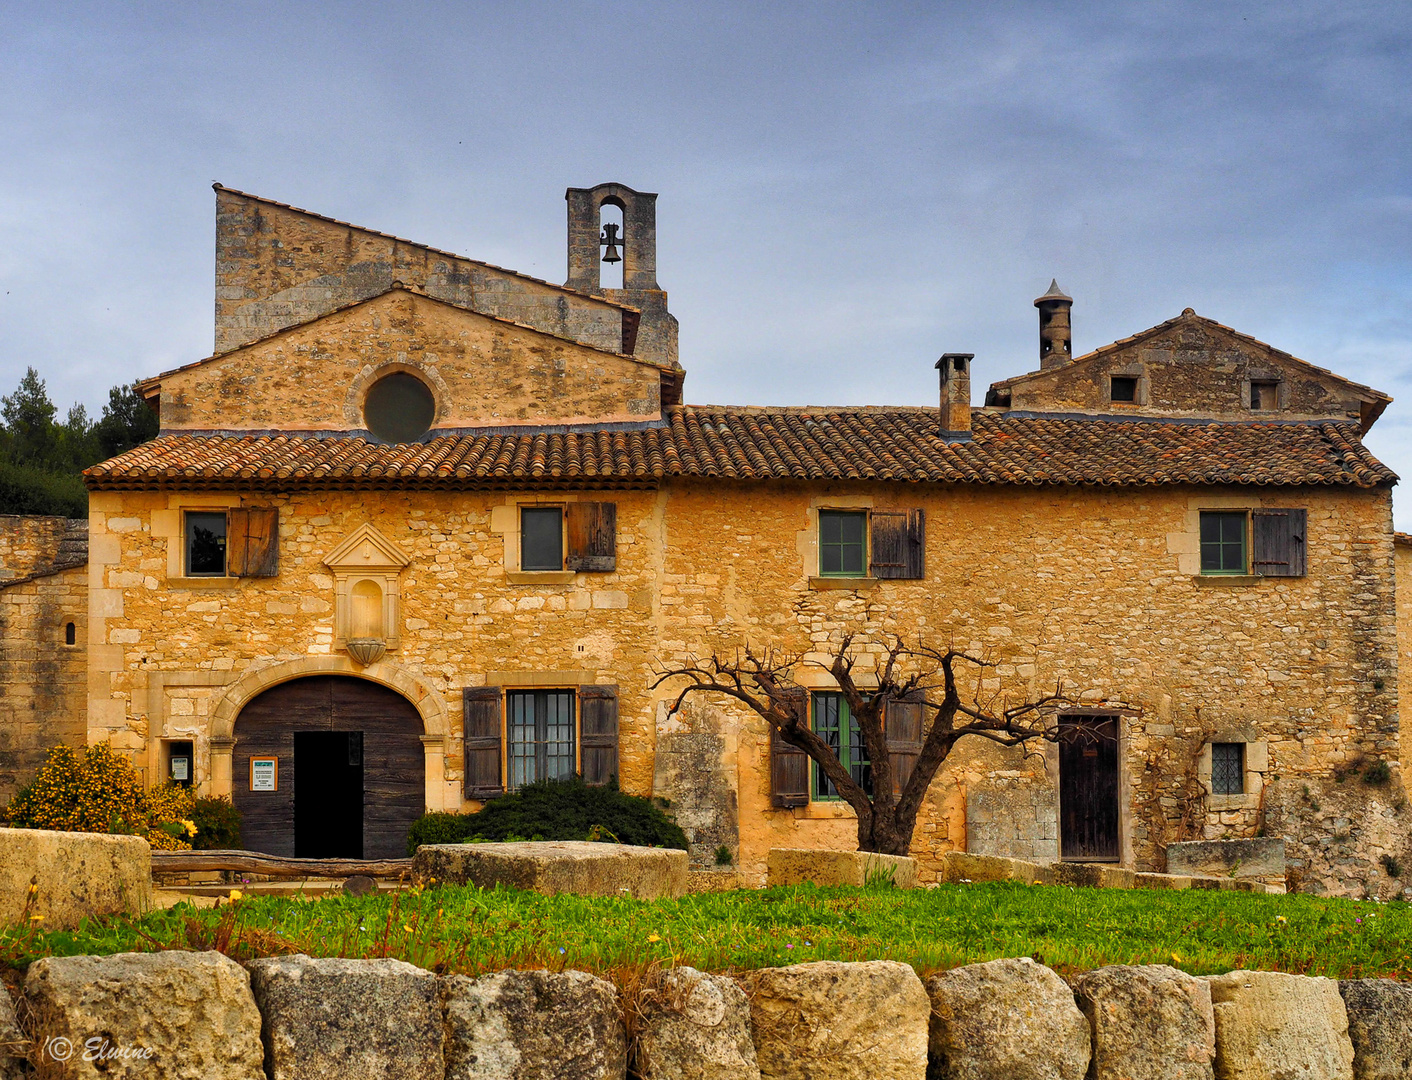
(1088,587)
(481,371)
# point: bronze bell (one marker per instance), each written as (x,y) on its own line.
(610,240)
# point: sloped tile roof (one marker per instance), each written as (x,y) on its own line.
(885,444)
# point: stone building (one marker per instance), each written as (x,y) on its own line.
(422,529)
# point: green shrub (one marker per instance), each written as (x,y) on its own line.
(555,810)
(1377,774)
(217,824)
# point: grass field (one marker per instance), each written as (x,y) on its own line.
(471,931)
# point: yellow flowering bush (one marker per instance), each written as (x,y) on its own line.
(97,790)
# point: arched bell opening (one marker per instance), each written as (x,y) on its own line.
(328,766)
(610,243)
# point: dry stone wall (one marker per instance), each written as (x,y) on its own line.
(201,1015)
(1084,587)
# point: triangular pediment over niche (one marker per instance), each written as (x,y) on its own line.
(366,549)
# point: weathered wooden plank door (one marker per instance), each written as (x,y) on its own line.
(386,727)
(1088,789)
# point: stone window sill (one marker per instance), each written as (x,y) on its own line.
(1230,580)
(540,577)
(853,583)
(203,582)
(1216,803)
(828,810)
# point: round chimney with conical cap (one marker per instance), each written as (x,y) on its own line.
(1055,335)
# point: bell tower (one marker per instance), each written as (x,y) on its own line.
(592,245)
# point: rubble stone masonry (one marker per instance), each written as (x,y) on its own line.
(1094,588)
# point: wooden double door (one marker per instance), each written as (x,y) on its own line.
(1088,789)
(350,774)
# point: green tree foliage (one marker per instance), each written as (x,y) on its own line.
(555,810)
(41,457)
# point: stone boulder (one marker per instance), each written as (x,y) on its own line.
(1256,858)
(1090,875)
(13,1044)
(839,1021)
(534,1025)
(1148,1023)
(1006,1020)
(1380,1027)
(963,866)
(558,866)
(822,866)
(693,1026)
(348,1019)
(150,1015)
(76,875)
(1273,1025)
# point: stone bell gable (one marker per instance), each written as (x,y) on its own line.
(475,371)
(1189,366)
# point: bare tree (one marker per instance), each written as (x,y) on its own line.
(923,677)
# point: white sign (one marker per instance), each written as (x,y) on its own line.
(264,774)
(181,769)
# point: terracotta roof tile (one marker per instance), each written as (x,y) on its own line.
(888,444)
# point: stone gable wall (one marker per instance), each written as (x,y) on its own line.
(277,267)
(1083,586)
(482,373)
(1192,369)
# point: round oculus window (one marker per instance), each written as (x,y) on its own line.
(399,408)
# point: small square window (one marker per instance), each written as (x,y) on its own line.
(1264,396)
(205,545)
(541,538)
(843,544)
(1228,768)
(1123,388)
(1223,542)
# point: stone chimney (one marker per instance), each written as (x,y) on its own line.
(1055,334)
(955,368)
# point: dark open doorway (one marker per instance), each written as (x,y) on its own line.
(1088,789)
(328,805)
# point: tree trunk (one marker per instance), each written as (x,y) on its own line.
(883,832)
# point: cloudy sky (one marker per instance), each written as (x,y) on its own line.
(847,190)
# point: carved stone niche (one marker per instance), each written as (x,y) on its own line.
(366,568)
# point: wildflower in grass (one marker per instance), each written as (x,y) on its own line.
(1281,919)
(651,938)
(562,950)
(1176,959)
(236,894)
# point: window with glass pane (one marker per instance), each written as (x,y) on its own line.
(843,547)
(205,545)
(541,735)
(541,538)
(1228,768)
(1223,542)
(834,723)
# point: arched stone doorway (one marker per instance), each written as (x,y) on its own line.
(349,777)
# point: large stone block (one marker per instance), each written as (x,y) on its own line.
(160,1015)
(558,866)
(792,866)
(75,875)
(1091,875)
(1148,1023)
(839,1021)
(1258,858)
(1272,1025)
(534,1025)
(348,1019)
(1006,1020)
(694,1026)
(1380,1028)
(959,866)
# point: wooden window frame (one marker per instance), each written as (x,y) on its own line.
(1135,380)
(533,507)
(186,539)
(853,512)
(1244,569)
(1240,768)
(575,738)
(818,783)
(598,748)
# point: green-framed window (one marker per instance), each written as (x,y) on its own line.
(1223,542)
(843,543)
(834,723)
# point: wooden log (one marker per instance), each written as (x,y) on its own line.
(254,862)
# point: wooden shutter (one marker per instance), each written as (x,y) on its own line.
(904,737)
(593,537)
(252,541)
(789,765)
(1278,546)
(598,733)
(898,544)
(481,707)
